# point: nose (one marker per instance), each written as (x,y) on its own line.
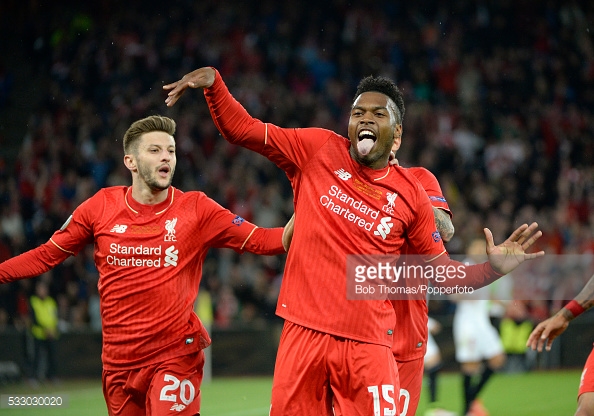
(367,118)
(366,122)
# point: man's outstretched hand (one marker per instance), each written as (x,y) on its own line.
(199,78)
(508,255)
(546,331)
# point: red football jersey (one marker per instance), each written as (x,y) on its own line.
(410,333)
(149,259)
(341,208)
(431,186)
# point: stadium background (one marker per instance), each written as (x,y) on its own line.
(499,98)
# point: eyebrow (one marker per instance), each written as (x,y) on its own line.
(378,107)
(167,146)
(150,146)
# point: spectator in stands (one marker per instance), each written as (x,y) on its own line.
(44,328)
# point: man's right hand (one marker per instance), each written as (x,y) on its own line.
(546,331)
(199,78)
(508,255)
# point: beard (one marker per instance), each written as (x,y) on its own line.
(149,177)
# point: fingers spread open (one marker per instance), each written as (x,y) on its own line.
(532,240)
(518,233)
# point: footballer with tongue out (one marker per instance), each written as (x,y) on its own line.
(335,348)
(375,123)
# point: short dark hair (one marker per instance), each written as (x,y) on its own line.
(146,125)
(385,86)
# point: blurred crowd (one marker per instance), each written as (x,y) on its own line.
(499,102)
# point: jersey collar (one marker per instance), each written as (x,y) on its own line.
(157,209)
(375,175)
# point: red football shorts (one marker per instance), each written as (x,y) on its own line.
(319,374)
(587,380)
(411,383)
(168,388)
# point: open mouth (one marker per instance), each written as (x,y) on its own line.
(367,139)
(164,170)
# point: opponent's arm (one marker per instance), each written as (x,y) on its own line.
(549,329)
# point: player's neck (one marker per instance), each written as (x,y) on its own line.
(375,165)
(147,196)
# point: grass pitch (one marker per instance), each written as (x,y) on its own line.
(550,393)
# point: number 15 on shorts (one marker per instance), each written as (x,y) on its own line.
(388,397)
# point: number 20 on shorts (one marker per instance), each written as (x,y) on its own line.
(185,389)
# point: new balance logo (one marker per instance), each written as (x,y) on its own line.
(171,256)
(120,229)
(178,407)
(343,174)
(384,227)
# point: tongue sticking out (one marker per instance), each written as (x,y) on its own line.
(365,146)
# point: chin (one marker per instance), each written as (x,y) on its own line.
(159,186)
(372,159)
(368,158)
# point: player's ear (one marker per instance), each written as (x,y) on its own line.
(397,138)
(130,163)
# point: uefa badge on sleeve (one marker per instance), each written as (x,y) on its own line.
(436,236)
